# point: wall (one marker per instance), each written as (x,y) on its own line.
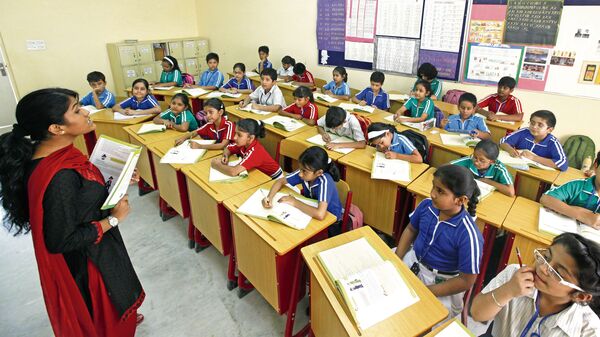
(295,34)
(76,34)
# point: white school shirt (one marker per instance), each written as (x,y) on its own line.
(282,72)
(273,97)
(350,128)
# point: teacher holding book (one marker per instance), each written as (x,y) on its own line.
(49,187)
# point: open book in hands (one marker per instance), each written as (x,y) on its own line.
(485,189)
(184,154)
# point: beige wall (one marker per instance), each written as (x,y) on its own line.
(295,34)
(76,34)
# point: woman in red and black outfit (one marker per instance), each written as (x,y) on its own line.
(49,187)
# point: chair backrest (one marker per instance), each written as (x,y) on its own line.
(353,92)
(439,116)
(342,188)
(319,82)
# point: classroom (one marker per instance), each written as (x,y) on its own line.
(369,168)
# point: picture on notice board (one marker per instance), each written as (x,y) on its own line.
(533,71)
(486,31)
(536,55)
(590,71)
(582,33)
(563,58)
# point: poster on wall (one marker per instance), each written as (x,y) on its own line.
(487,63)
(331,25)
(590,73)
(400,18)
(396,55)
(443,25)
(532,22)
(486,31)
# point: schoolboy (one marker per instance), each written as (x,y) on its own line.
(302,76)
(267,97)
(263,55)
(502,101)
(374,95)
(466,121)
(212,78)
(99,97)
(342,123)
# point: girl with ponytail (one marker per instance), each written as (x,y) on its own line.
(446,243)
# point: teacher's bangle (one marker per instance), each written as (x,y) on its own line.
(496,301)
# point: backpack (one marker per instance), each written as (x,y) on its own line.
(187,79)
(356,216)
(438,115)
(364,124)
(201,118)
(577,148)
(452,96)
(419,141)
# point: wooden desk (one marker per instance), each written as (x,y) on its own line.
(329,314)
(107,125)
(570,174)
(441,327)
(497,129)
(396,104)
(292,147)
(144,165)
(534,182)
(447,108)
(227,101)
(521,225)
(379,200)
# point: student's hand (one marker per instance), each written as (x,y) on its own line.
(528,155)
(389,155)
(521,283)
(97,91)
(362,103)
(373,106)
(589,173)
(443,123)
(326,137)
(128,111)
(121,210)
(399,118)
(168,124)
(590,219)
(233,90)
(331,146)
(242,104)
(224,160)
(288,199)
(475,133)
(135,178)
(266,202)
(328,92)
(514,153)
(194,145)
(180,141)
(298,117)
(492,116)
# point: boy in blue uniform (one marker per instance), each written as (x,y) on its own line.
(263,55)
(239,83)
(374,95)
(466,121)
(99,97)
(211,79)
(536,142)
(394,145)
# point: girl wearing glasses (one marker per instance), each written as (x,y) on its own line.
(556,297)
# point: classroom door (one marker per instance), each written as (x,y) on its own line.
(8,98)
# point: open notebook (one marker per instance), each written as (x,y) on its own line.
(461,140)
(497,114)
(91,109)
(218,94)
(248,108)
(356,107)
(398,97)
(390,169)
(318,140)
(151,128)
(421,126)
(195,92)
(119,116)
(520,163)
(280,212)
(485,189)
(324,98)
(162,88)
(184,154)
(284,123)
(216,176)
(371,287)
(554,223)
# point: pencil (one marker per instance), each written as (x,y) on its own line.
(519,257)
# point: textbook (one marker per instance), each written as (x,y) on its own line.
(520,163)
(248,108)
(159,88)
(421,126)
(318,140)
(461,140)
(280,212)
(398,97)
(485,189)
(252,74)
(553,223)
(116,161)
(184,154)
(194,92)
(216,176)
(356,107)
(218,94)
(371,287)
(390,169)
(284,123)
(151,128)
(454,329)
(91,109)
(324,98)
(119,116)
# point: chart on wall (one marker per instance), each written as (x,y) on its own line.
(393,36)
(546,45)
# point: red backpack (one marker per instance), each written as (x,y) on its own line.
(364,124)
(452,96)
(187,79)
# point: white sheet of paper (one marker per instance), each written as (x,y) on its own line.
(91,109)
(119,116)
(318,140)
(184,154)
(324,97)
(218,94)
(195,92)
(485,189)
(288,123)
(390,169)
(399,97)
(453,330)
(217,176)
(150,127)
(256,111)
(352,106)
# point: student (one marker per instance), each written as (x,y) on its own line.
(447,244)
(178,116)
(338,88)
(286,71)
(303,107)
(557,296)
(217,127)
(302,76)
(374,95)
(502,101)
(239,83)
(171,74)
(263,55)
(428,72)
(420,106)
(141,102)
(267,97)
(99,97)
(485,166)
(536,142)
(466,121)
(578,199)
(248,147)
(342,123)
(318,174)
(212,78)
(394,145)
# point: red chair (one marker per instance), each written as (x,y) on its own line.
(345,195)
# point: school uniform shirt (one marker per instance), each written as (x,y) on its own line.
(511,106)
(401,144)
(148,102)
(246,83)
(350,128)
(456,124)
(342,90)
(212,78)
(282,72)
(549,147)
(305,77)
(273,97)
(578,192)
(381,101)
(496,172)
(513,318)
(266,64)
(255,156)
(185,116)
(106,98)
(451,246)
(436,87)
(171,76)
(308,111)
(322,189)
(417,110)
(225,130)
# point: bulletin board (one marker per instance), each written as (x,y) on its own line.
(393,36)
(559,43)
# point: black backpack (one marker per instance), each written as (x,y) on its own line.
(419,141)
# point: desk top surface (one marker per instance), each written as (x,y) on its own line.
(568,175)
(107,116)
(523,219)
(160,148)
(300,139)
(152,137)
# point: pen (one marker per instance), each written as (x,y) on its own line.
(519,257)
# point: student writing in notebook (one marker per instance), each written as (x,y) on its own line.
(374,95)
(239,83)
(466,121)
(394,145)
(178,116)
(286,71)
(428,72)
(247,146)
(217,127)
(338,88)
(302,76)
(503,101)
(485,166)
(318,175)
(556,296)
(99,97)
(578,199)
(342,123)
(303,107)
(267,97)
(446,243)
(141,102)
(420,106)
(171,74)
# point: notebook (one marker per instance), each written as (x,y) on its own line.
(184,154)
(520,163)
(497,114)
(421,126)
(218,94)
(216,176)
(398,97)
(485,189)
(248,108)
(91,109)
(284,123)
(324,98)
(162,88)
(195,92)
(390,169)
(318,140)
(119,116)
(461,140)
(251,74)
(356,107)
(455,329)
(151,128)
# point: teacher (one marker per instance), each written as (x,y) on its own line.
(49,187)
